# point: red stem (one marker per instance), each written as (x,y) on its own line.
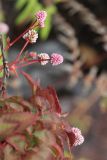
(20,53)
(21,35)
(31,62)
(26,64)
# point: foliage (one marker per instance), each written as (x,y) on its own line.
(33,128)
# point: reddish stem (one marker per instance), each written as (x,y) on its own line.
(21,35)
(31,62)
(26,64)
(20,53)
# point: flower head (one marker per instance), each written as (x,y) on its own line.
(33,55)
(44,58)
(41,16)
(31,36)
(3,27)
(56,59)
(79,139)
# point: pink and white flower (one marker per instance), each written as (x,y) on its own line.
(79,139)
(41,16)
(3,28)
(56,59)
(31,36)
(33,55)
(44,58)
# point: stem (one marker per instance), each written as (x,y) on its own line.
(20,53)
(29,63)
(21,35)
(5,69)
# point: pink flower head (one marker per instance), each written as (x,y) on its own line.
(44,58)
(41,16)
(56,59)
(79,139)
(3,27)
(31,36)
(33,55)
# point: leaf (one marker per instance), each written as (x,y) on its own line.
(18,103)
(45,137)
(20,3)
(25,14)
(43,153)
(21,120)
(71,138)
(18,142)
(7,128)
(50,96)
(31,82)
(57,150)
(57,107)
(10,153)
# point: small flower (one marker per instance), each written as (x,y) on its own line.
(31,36)
(44,58)
(56,59)
(41,16)
(79,139)
(33,55)
(3,27)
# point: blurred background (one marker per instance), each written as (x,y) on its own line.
(77,29)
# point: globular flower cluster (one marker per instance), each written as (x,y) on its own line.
(3,28)
(31,36)
(79,139)
(56,59)
(41,16)
(33,55)
(44,58)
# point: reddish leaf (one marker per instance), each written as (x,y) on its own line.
(7,128)
(45,137)
(18,142)
(2,146)
(22,104)
(50,95)
(32,83)
(71,138)
(22,119)
(43,153)
(11,154)
(57,150)
(57,106)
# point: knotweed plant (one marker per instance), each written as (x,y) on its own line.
(36,128)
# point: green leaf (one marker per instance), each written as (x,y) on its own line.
(25,14)
(28,12)
(20,3)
